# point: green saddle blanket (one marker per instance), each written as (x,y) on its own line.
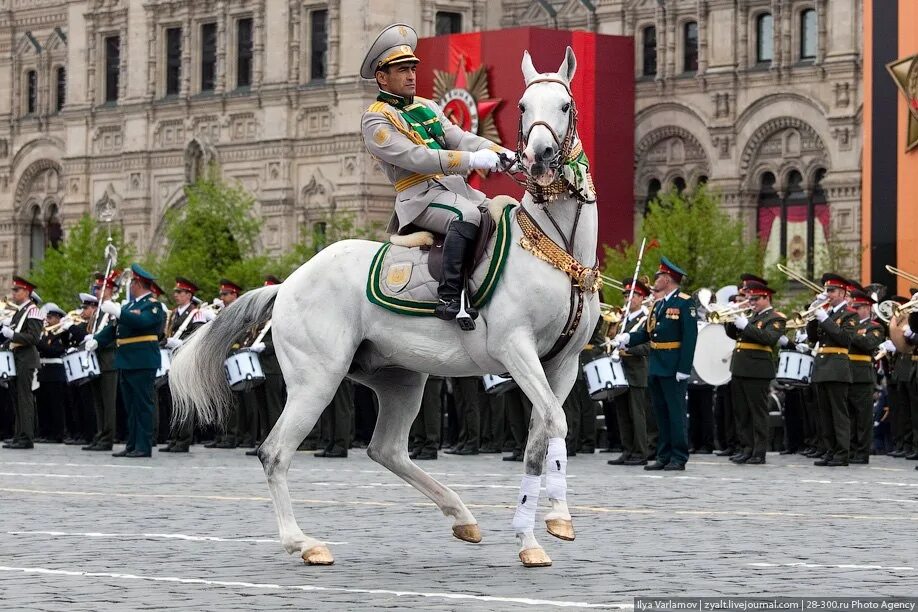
(400,281)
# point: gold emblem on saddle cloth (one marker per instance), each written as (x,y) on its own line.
(546,249)
(398,275)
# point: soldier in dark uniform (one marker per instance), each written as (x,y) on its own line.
(900,369)
(911,387)
(136,337)
(21,335)
(633,407)
(338,422)
(51,397)
(238,416)
(753,369)
(102,392)
(832,369)
(519,414)
(466,395)
(185,319)
(672,332)
(865,340)
(425,431)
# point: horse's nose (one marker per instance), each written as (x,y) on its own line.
(547,153)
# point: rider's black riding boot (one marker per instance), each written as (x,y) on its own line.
(460,238)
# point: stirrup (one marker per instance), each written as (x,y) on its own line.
(464,319)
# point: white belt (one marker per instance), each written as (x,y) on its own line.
(52,360)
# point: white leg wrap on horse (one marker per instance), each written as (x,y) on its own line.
(556,469)
(527,504)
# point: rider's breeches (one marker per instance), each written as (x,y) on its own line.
(448,208)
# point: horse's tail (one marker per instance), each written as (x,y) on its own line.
(197,378)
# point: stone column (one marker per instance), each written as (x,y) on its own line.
(220,84)
(702,37)
(153,31)
(185,89)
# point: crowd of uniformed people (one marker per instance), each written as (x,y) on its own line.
(860,397)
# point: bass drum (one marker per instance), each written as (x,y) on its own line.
(713,353)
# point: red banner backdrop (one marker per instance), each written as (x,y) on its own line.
(603,88)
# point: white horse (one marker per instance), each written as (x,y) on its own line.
(326,329)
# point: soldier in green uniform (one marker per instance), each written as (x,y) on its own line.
(426,157)
(866,338)
(753,368)
(21,335)
(136,336)
(633,407)
(672,332)
(832,368)
(185,319)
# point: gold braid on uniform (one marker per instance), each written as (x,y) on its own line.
(546,249)
(409,133)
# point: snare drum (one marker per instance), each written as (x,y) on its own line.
(794,369)
(165,364)
(7,365)
(81,367)
(605,378)
(495,385)
(243,371)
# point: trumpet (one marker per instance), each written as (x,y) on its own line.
(728,315)
(7,309)
(805,316)
(72,316)
(907,308)
(813,286)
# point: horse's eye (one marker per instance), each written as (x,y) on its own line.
(566,108)
(522,107)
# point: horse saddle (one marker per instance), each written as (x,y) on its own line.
(406,271)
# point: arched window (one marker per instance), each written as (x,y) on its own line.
(808,34)
(653,190)
(650,51)
(679,184)
(764,38)
(319,235)
(54,233)
(702,180)
(31,92)
(690,47)
(36,239)
(60,88)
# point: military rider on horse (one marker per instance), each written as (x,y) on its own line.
(427,159)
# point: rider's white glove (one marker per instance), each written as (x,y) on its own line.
(621,340)
(258,347)
(111,308)
(741,322)
(486,159)
(90,344)
(174,343)
(803,348)
(822,314)
(888,346)
(783,341)
(680,376)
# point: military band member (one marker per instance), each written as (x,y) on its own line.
(21,334)
(832,369)
(900,366)
(672,333)
(51,396)
(425,431)
(426,157)
(136,336)
(866,338)
(753,369)
(912,387)
(632,409)
(184,321)
(102,392)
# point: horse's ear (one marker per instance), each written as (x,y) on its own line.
(568,66)
(529,71)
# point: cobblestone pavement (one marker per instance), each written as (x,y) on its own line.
(86,531)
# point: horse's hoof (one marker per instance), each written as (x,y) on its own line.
(563,529)
(535,557)
(467,533)
(318,555)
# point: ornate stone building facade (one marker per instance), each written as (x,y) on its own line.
(761,99)
(121,102)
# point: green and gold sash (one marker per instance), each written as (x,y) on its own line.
(422,120)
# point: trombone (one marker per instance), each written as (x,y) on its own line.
(7,309)
(903,274)
(729,314)
(814,286)
(803,317)
(615,284)
(57,328)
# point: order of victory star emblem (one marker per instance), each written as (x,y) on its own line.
(466,100)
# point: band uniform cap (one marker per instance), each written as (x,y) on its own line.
(639,287)
(156,289)
(112,279)
(394,45)
(270,279)
(140,272)
(97,279)
(88,299)
(52,308)
(21,283)
(853,285)
(831,280)
(228,285)
(36,299)
(756,288)
(670,269)
(183,284)
(861,298)
(747,277)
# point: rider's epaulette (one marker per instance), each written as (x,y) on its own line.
(685,296)
(377,107)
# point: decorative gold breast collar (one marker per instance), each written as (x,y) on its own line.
(536,242)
